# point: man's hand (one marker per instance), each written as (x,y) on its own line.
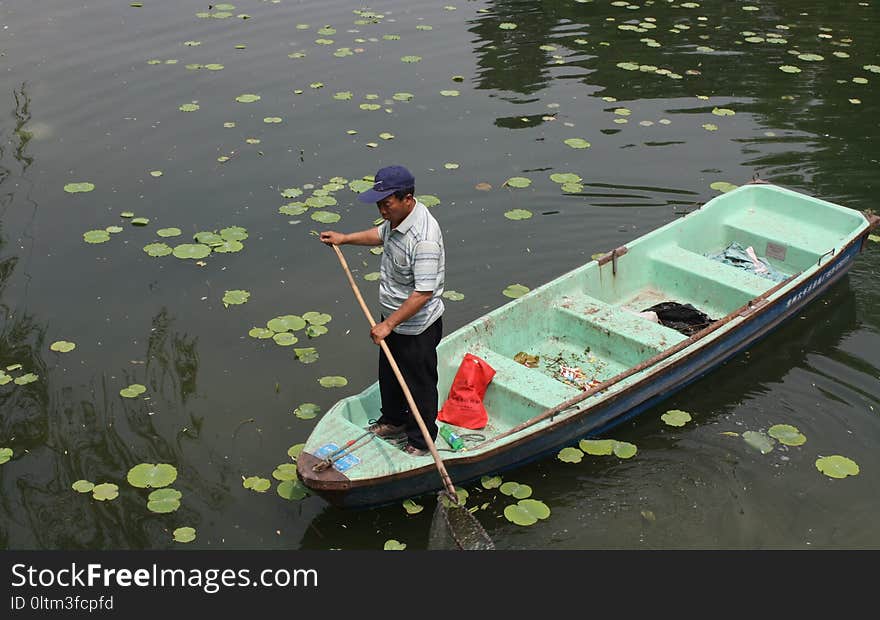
(331,237)
(379,332)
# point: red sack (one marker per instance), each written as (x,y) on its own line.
(464,405)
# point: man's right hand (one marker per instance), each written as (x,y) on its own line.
(331,237)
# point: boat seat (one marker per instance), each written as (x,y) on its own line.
(710,276)
(804,242)
(531,383)
(616,320)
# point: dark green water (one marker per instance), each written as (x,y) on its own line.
(82,102)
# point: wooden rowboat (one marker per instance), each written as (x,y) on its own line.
(591,320)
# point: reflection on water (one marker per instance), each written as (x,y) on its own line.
(642,84)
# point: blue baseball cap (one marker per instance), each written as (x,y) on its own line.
(387,181)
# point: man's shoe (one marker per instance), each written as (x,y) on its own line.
(413,451)
(386,430)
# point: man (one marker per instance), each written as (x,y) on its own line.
(410,287)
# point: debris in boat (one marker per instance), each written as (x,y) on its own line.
(531,361)
(680,317)
(745,258)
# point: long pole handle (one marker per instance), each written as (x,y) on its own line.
(444,476)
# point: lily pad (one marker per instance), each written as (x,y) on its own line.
(490,482)
(453,295)
(515,290)
(184,534)
(151,475)
(519,182)
(96,236)
(411,507)
(133,391)
(518,214)
(325,217)
(565,177)
(449,93)
(25,379)
(306,355)
(82,486)
(723,112)
(787,434)
(428,200)
(393,545)
(168,232)
(372,276)
(570,455)
(759,441)
(228,247)
(234,233)
(291,490)
(189,107)
(140,221)
(285,471)
(307,411)
(105,492)
(597,447)
(526,512)
(62,346)
(74,188)
(163,501)
(255,483)
(676,417)
(286,322)
(722,186)
(317,318)
(517,490)
(577,143)
(260,332)
(191,251)
(247,98)
(410,59)
(235,297)
(285,339)
(837,466)
(624,449)
(295,450)
(333,381)
(6,454)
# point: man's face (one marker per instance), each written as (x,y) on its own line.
(395,209)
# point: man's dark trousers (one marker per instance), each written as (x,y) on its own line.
(416,357)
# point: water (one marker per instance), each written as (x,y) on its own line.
(82,102)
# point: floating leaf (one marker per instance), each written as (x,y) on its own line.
(453,295)
(270,120)
(723,112)
(163,501)
(295,450)
(73,188)
(490,482)
(570,455)
(483,187)
(317,318)
(255,483)
(133,391)
(140,221)
(372,276)
(676,417)
(189,107)
(787,434)
(710,127)
(410,59)
(518,182)
(96,236)
(114,229)
(789,69)
(157,249)
(624,449)
(150,475)
(526,512)
(184,534)
(333,381)
(411,507)
(247,98)
(292,490)
(597,447)
(325,217)
(759,441)
(306,355)
(80,486)
(293,208)
(565,177)
(577,143)
(26,378)
(191,251)
(837,466)
(235,297)
(307,411)
(105,492)
(515,290)
(428,200)
(722,186)
(507,25)
(285,339)
(402,96)
(62,346)
(286,322)
(168,232)
(260,332)
(285,471)
(449,93)
(394,545)
(518,214)
(6,454)
(208,238)
(227,247)
(517,490)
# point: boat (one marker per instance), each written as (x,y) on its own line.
(584,353)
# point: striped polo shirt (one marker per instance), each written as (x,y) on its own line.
(413,259)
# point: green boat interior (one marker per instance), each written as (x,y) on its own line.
(588,325)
